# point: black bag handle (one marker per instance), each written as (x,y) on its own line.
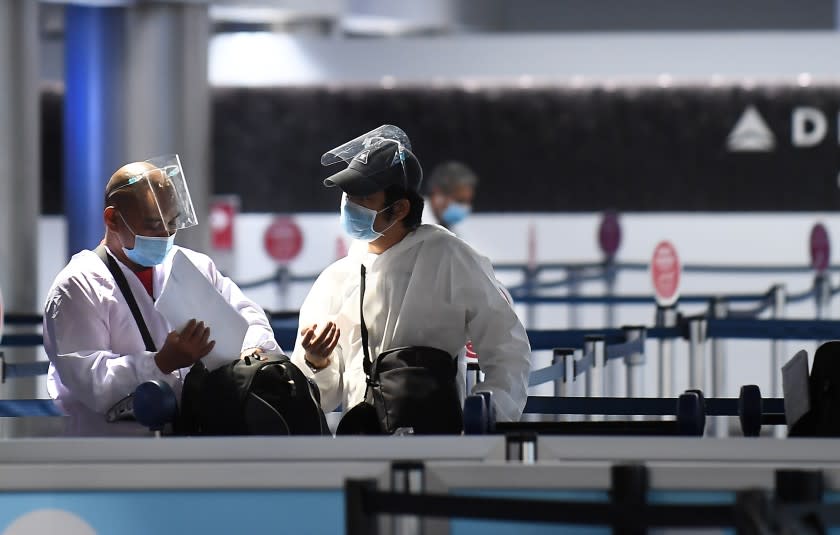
(115,270)
(188,419)
(367,364)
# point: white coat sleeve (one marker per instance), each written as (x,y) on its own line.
(497,335)
(76,339)
(318,308)
(259,334)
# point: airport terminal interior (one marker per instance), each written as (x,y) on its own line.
(419,267)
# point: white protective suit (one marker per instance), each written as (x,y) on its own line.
(428,217)
(430,289)
(95,348)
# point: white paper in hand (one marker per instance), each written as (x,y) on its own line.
(188,295)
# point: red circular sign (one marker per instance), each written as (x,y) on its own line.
(283,239)
(665,273)
(609,234)
(471,354)
(820,248)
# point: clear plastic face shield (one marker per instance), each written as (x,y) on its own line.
(161,197)
(368,143)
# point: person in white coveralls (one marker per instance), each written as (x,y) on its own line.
(424,286)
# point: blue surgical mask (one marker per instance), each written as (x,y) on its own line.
(455,213)
(358,221)
(148,251)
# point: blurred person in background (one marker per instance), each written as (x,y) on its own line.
(98,351)
(448,202)
(450,193)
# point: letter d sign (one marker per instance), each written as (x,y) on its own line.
(809,127)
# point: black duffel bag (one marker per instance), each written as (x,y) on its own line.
(823,418)
(264,394)
(411,388)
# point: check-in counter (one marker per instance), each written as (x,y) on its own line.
(295,485)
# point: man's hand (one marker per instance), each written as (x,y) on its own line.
(319,346)
(184,348)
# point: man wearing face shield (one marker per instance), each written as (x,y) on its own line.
(97,352)
(423,286)
(450,193)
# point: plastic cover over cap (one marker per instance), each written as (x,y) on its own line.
(378,168)
(376,160)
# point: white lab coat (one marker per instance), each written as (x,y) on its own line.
(430,289)
(96,352)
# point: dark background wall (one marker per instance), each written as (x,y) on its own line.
(536,150)
(645,15)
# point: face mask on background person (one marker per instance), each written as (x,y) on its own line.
(357,220)
(455,213)
(148,251)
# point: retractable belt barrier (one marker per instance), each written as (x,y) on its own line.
(577,273)
(642,406)
(764,300)
(752,410)
(21,340)
(690,411)
(15,408)
(618,346)
(22,319)
(737,327)
(795,506)
(616,343)
(25,369)
(640,299)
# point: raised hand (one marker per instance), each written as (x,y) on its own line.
(319,345)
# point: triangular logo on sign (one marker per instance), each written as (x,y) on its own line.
(362,156)
(751,134)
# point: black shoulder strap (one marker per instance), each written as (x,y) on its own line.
(188,421)
(367,362)
(129,297)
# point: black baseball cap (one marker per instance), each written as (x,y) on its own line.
(375,168)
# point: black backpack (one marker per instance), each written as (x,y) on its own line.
(823,420)
(267,395)
(262,395)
